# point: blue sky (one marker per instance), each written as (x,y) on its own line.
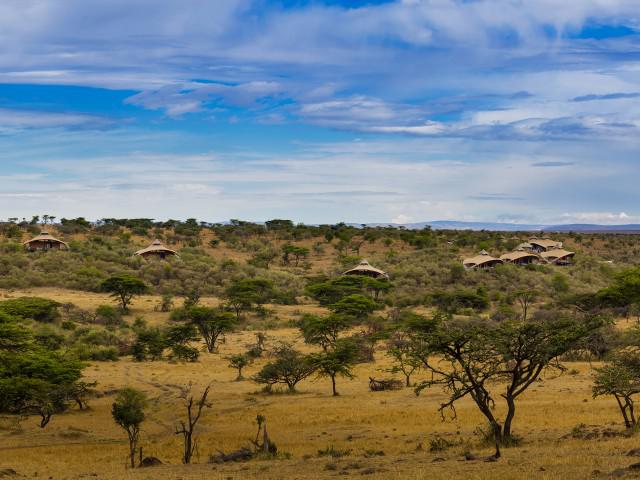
(321,111)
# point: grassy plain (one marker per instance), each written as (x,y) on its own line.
(383,434)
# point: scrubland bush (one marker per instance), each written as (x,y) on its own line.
(34,308)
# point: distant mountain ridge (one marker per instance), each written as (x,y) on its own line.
(511,227)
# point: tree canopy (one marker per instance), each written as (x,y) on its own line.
(124,287)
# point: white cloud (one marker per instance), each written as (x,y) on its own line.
(605,218)
(14,119)
(402,219)
(443,74)
(359,181)
(178,99)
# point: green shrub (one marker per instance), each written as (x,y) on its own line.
(96,353)
(34,308)
(452,302)
(108,315)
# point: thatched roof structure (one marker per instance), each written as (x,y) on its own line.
(482,260)
(519,257)
(364,268)
(544,244)
(156,249)
(559,256)
(46,241)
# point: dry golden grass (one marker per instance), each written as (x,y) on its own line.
(87,444)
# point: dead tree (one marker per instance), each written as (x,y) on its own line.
(187,428)
(264,447)
(267,446)
(385,384)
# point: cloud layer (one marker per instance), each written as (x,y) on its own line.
(362,111)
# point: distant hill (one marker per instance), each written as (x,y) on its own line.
(587,227)
(512,227)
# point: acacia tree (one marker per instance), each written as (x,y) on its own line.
(149,344)
(374,329)
(124,288)
(525,298)
(356,306)
(212,324)
(527,348)
(34,380)
(179,338)
(289,367)
(323,331)
(624,291)
(621,379)
(295,250)
(400,349)
(243,294)
(473,358)
(14,337)
(338,361)
(329,291)
(128,412)
(376,286)
(239,361)
(187,427)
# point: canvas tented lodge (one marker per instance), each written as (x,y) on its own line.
(543,244)
(364,268)
(558,256)
(481,261)
(520,257)
(156,250)
(524,256)
(45,241)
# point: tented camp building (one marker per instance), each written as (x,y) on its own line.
(156,250)
(558,256)
(481,261)
(45,241)
(543,244)
(520,257)
(365,269)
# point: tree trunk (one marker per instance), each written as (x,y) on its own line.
(498,438)
(408,380)
(632,415)
(623,410)
(266,442)
(333,385)
(188,448)
(133,443)
(511,405)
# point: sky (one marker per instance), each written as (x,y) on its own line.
(321,111)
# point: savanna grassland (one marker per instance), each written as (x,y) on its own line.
(560,430)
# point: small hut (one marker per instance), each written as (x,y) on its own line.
(365,269)
(520,257)
(45,241)
(481,261)
(558,256)
(156,250)
(543,244)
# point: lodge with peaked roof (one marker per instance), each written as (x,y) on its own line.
(558,256)
(520,257)
(539,245)
(365,269)
(536,250)
(481,261)
(156,250)
(45,241)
